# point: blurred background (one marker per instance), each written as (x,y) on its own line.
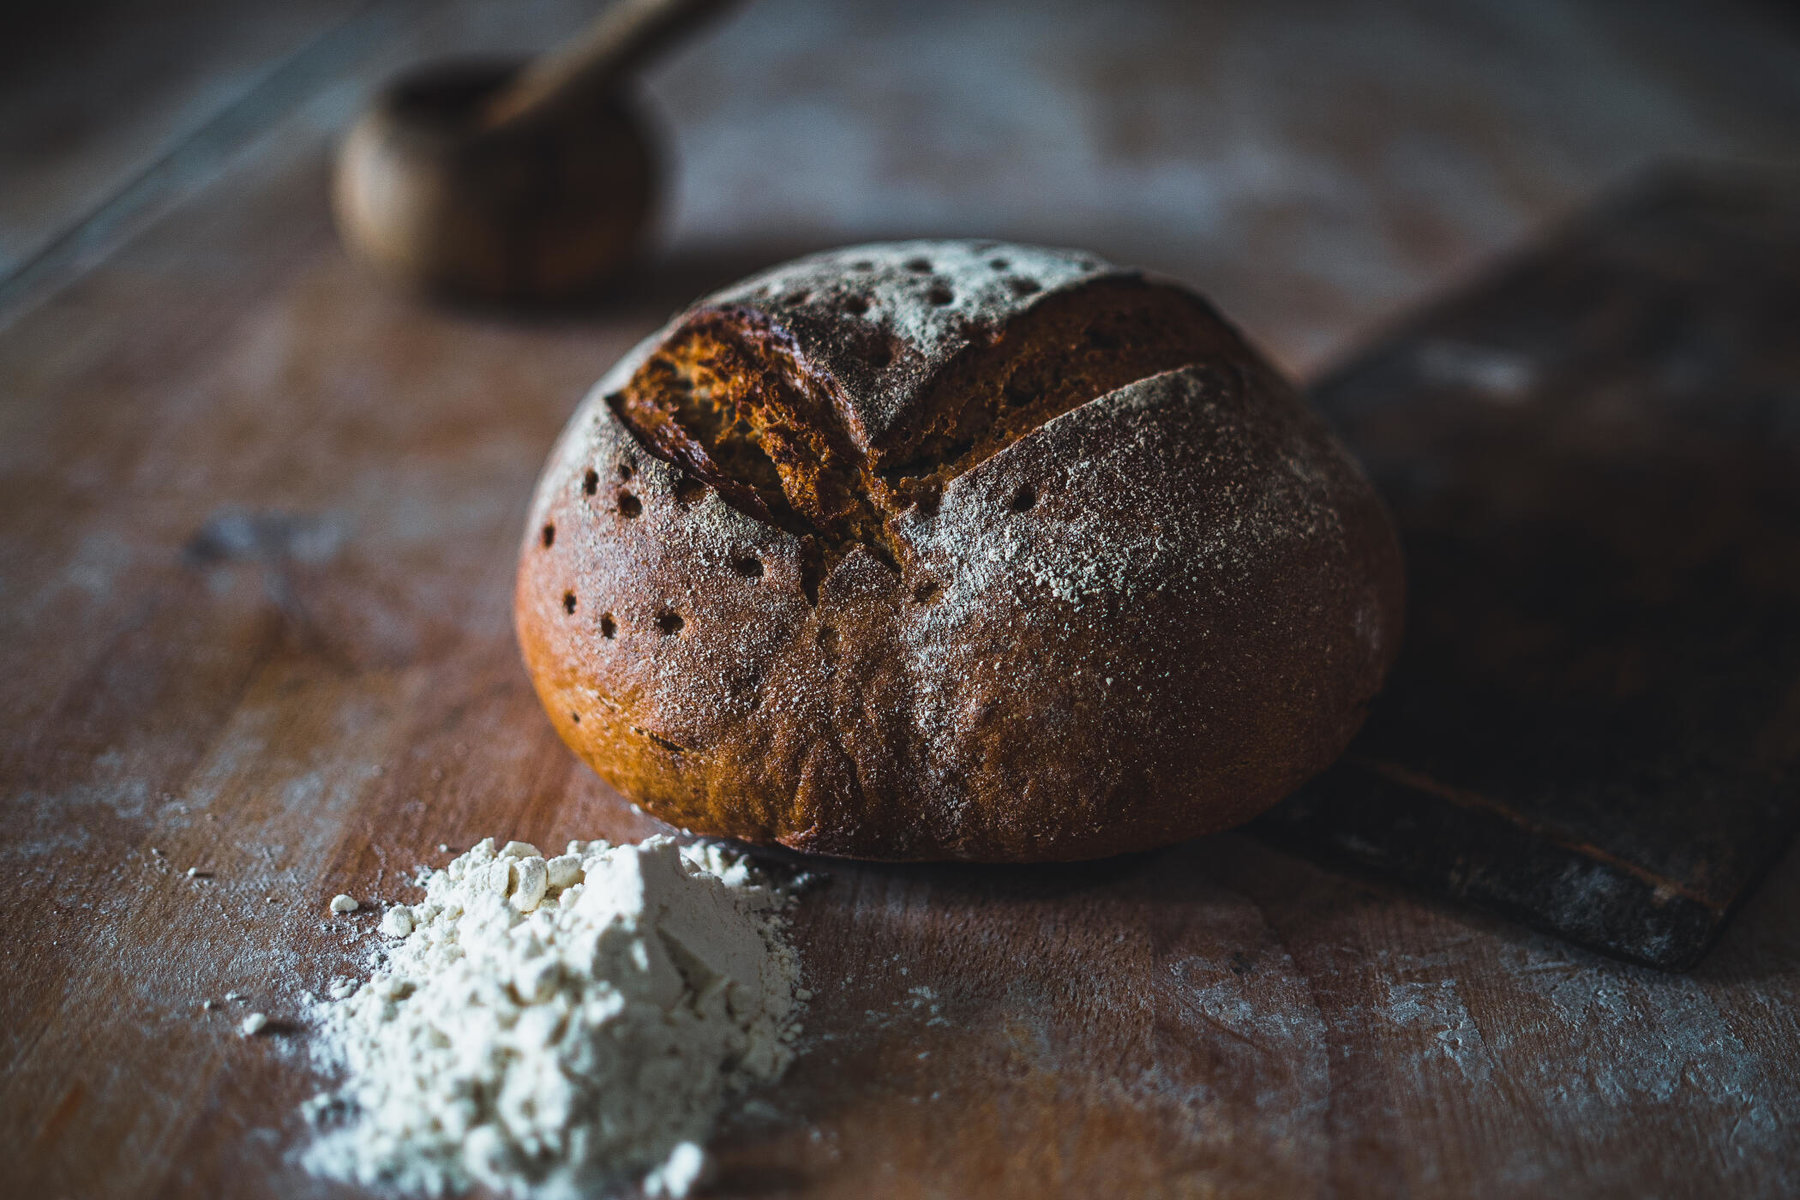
(1316,167)
(260,515)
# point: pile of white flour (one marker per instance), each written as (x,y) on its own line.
(553,1027)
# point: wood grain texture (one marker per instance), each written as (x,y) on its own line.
(257,527)
(100,96)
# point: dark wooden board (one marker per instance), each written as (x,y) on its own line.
(1594,463)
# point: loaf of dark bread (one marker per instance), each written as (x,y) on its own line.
(954,550)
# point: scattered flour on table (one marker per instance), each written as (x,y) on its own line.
(553,1027)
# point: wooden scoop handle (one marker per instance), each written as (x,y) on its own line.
(626,36)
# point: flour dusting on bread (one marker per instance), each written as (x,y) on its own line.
(886,553)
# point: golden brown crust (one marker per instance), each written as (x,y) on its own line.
(931,619)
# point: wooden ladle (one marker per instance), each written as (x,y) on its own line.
(510,181)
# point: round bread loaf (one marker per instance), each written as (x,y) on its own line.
(954,550)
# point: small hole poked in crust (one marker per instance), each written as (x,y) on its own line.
(627,468)
(878,353)
(669,623)
(940,295)
(999,264)
(575,717)
(548,535)
(855,305)
(629,505)
(609,628)
(748,565)
(1023,499)
(926,591)
(590,483)
(1101,339)
(1022,286)
(569,603)
(919,266)
(688,491)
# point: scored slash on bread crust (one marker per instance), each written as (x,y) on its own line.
(954,550)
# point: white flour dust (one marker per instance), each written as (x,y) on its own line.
(552,1027)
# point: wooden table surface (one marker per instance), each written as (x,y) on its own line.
(257,527)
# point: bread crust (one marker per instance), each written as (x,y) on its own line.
(1145,617)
